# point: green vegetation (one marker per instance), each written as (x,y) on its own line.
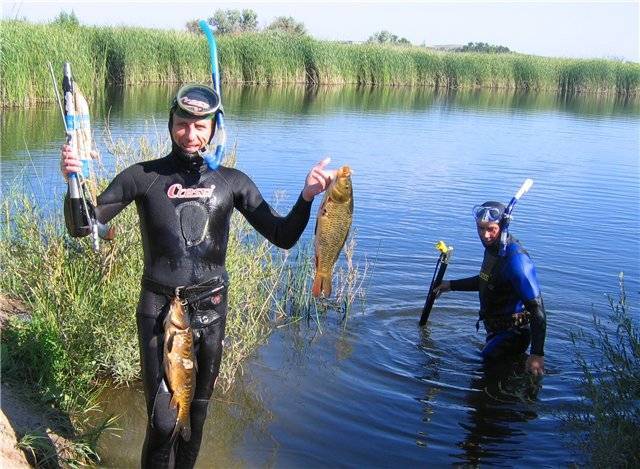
(287,24)
(120,55)
(233,21)
(483,47)
(606,425)
(385,37)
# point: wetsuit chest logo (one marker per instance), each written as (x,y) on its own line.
(176,191)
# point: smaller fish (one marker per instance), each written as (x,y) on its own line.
(332,228)
(180,365)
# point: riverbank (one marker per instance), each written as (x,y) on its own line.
(21,417)
(131,55)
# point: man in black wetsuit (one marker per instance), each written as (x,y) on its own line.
(185,209)
(511,305)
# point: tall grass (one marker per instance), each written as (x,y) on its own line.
(606,425)
(132,55)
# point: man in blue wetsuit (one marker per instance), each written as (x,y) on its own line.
(185,209)
(511,305)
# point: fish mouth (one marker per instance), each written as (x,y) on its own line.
(344,171)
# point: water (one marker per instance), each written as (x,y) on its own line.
(380,392)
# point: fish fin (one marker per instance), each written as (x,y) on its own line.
(174,402)
(321,283)
(317,285)
(176,430)
(185,432)
(326,286)
(169,342)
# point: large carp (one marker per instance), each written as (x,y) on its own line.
(332,227)
(179,365)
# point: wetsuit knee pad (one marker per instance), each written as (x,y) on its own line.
(163,417)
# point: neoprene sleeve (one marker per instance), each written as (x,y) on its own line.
(466,284)
(538,321)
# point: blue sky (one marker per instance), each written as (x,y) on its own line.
(553,28)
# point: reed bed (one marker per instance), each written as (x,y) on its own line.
(132,55)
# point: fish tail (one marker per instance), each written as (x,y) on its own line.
(322,283)
(183,424)
(186,430)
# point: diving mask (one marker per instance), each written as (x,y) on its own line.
(487,213)
(196,101)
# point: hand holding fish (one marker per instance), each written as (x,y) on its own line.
(318,180)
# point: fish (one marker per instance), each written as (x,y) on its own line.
(180,365)
(332,228)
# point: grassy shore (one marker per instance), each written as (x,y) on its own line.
(131,55)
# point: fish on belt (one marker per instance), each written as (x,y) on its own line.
(332,227)
(180,365)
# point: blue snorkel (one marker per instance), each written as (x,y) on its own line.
(506,217)
(214,160)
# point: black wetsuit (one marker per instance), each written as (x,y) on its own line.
(185,210)
(508,285)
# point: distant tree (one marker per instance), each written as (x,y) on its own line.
(249,20)
(287,24)
(234,21)
(385,37)
(66,19)
(193,27)
(482,47)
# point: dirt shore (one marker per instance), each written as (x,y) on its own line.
(19,415)
(15,419)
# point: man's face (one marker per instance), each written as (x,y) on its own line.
(191,134)
(488,232)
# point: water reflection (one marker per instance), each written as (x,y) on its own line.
(500,396)
(35,128)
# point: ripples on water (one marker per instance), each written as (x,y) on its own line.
(381,392)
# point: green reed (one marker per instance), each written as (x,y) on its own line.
(133,55)
(605,425)
(296,278)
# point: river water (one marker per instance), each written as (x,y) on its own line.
(378,391)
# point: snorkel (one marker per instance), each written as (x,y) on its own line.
(506,216)
(220,135)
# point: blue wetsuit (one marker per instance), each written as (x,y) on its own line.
(511,305)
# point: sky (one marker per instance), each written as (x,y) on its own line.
(558,28)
